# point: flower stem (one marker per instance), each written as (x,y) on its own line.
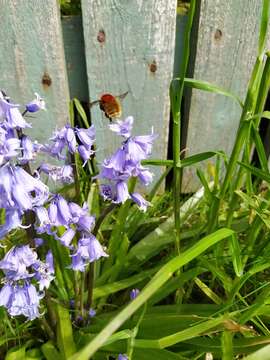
(91,271)
(47,328)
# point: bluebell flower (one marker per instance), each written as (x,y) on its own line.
(122,357)
(10,114)
(89,249)
(74,139)
(38,242)
(140,201)
(67,237)
(70,139)
(33,187)
(44,272)
(17,261)
(86,136)
(126,163)
(123,128)
(122,193)
(9,145)
(29,149)
(92,313)
(85,153)
(20,266)
(107,192)
(62,174)
(35,105)
(6,294)
(24,300)
(134,293)
(49,261)
(81,217)
(13,220)
(59,212)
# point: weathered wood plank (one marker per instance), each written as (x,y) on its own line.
(130,47)
(226,50)
(32,60)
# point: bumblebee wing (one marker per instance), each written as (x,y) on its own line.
(122,96)
(94,103)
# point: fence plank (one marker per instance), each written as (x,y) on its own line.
(32,60)
(129,47)
(226,50)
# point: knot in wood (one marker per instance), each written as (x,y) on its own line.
(218,34)
(46,80)
(153,66)
(101,36)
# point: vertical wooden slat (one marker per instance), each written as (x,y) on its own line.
(226,50)
(32,60)
(129,46)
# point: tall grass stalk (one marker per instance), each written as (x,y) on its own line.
(176,95)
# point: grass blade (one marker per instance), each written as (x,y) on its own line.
(262,354)
(81,111)
(64,333)
(257,172)
(206,86)
(158,280)
(264,26)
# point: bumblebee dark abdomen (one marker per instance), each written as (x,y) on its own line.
(111,109)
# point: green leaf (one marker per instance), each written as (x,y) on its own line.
(207,191)
(260,149)
(153,354)
(162,276)
(33,354)
(236,255)
(65,340)
(50,352)
(194,159)
(227,345)
(155,162)
(82,113)
(17,353)
(206,86)
(257,172)
(264,26)
(262,354)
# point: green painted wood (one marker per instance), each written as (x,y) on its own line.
(75,59)
(32,60)
(129,46)
(225,53)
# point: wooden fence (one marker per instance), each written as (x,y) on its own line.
(129,45)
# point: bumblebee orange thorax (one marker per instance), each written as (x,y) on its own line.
(110,105)
(107,98)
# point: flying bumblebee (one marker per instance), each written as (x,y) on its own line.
(110,105)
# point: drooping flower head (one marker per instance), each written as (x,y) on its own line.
(126,163)
(75,140)
(35,105)
(21,267)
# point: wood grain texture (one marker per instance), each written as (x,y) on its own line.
(228,33)
(31,46)
(129,46)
